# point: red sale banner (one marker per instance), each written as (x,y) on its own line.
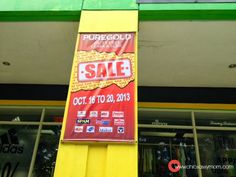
(102,90)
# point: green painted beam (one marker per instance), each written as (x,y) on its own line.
(188,6)
(186,15)
(37,5)
(110,5)
(40,16)
(187,11)
(69,10)
(36,10)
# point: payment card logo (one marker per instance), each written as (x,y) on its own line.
(83,121)
(104,113)
(90,129)
(106,129)
(118,114)
(78,129)
(93,114)
(102,121)
(81,113)
(121,130)
(119,122)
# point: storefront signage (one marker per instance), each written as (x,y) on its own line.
(102,90)
(182,1)
(157,122)
(224,123)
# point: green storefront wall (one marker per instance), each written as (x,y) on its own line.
(70,10)
(37,10)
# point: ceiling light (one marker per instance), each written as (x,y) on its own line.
(232,66)
(6,63)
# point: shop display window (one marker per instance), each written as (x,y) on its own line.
(159,146)
(164,117)
(47,151)
(16,149)
(216,119)
(165,136)
(29,138)
(20,114)
(216,134)
(218,148)
(206,138)
(54,115)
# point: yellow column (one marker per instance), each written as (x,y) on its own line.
(95,159)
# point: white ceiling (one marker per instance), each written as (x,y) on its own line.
(39,52)
(193,54)
(186,54)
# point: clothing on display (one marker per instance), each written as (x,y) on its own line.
(218,149)
(154,159)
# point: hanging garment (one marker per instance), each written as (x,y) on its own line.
(165,155)
(182,161)
(190,160)
(144,161)
(150,156)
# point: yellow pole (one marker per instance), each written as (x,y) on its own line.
(94,159)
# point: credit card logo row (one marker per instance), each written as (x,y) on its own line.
(91,129)
(105,114)
(101,121)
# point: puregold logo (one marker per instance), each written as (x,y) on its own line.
(107,37)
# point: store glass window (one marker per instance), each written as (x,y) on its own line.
(16,149)
(29,138)
(54,115)
(216,134)
(157,147)
(216,119)
(164,117)
(47,151)
(218,148)
(164,136)
(20,114)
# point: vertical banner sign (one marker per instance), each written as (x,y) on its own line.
(102,99)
